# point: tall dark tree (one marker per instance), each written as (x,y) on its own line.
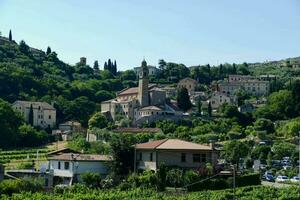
(162,64)
(24,48)
(105,66)
(114,68)
(48,51)
(209,109)
(233,68)
(109,65)
(183,99)
(10,36)
(96,65)
(31,115)
(199,107)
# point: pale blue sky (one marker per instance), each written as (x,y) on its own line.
(185,31)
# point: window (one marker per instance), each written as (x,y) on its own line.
(49,116)
(196,158)
(58,165)
(67,165)
(151,156)
(141,156)
(183,157)
(203,158)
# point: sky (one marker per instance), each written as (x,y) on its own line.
(191,32)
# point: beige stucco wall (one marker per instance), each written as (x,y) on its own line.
(172,158)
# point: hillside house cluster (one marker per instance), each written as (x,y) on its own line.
(66,166)
(145,103)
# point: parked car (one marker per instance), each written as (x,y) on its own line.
(262,166)
(282,179)
(295,179)
(268,177)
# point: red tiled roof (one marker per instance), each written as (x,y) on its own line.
(150,145)
(172,144)
(137,130)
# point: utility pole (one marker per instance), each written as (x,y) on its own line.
(233,181)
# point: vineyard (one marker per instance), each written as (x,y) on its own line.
(81,192)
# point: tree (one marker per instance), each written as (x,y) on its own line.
(183,99)
(98,120)
(23,47)
(114,68)
(91,180)
(282,149)
(162,64)
(128,75)
(31,115)
(269,159)
(109,65)
(199,107)
(264,125)
(234,150)
(123,154)
(10,36)
(96,65)
(9,124)
(209,109)
(105,66)
(29,137)
(48,51)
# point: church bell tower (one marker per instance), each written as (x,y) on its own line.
(143,91)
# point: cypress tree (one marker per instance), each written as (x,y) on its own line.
(109,65)
(209,109)
(115,68)
(96,65)
(199,107)
(183,99)
(48,51)
(10,36)
(31,115)
(105,66)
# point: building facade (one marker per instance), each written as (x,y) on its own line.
(153,71)
(173,152)
(188,83)
(44,114)
(219,98)
(249,84)
(66,168)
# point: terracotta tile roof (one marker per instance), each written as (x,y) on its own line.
(150,145)
(137,130)
(187,79)
(172,144)
(35,104)
(155,108)
(81,157)
(133,90)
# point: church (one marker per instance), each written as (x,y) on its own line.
(145,103)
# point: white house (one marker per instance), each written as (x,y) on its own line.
(67,167)
(173,152)
(44,114)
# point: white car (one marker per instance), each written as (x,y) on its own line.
(295,179)
(282,179)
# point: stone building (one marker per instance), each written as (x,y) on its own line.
(188,83)
(173,152)
(145,103)
(249,84)
(44,114)
(219,98)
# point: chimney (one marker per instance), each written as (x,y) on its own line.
(212,144)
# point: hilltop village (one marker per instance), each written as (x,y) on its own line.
(158,127)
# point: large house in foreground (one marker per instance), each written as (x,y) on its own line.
(173,152)
(145,103)
(44,114)
(66,168)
